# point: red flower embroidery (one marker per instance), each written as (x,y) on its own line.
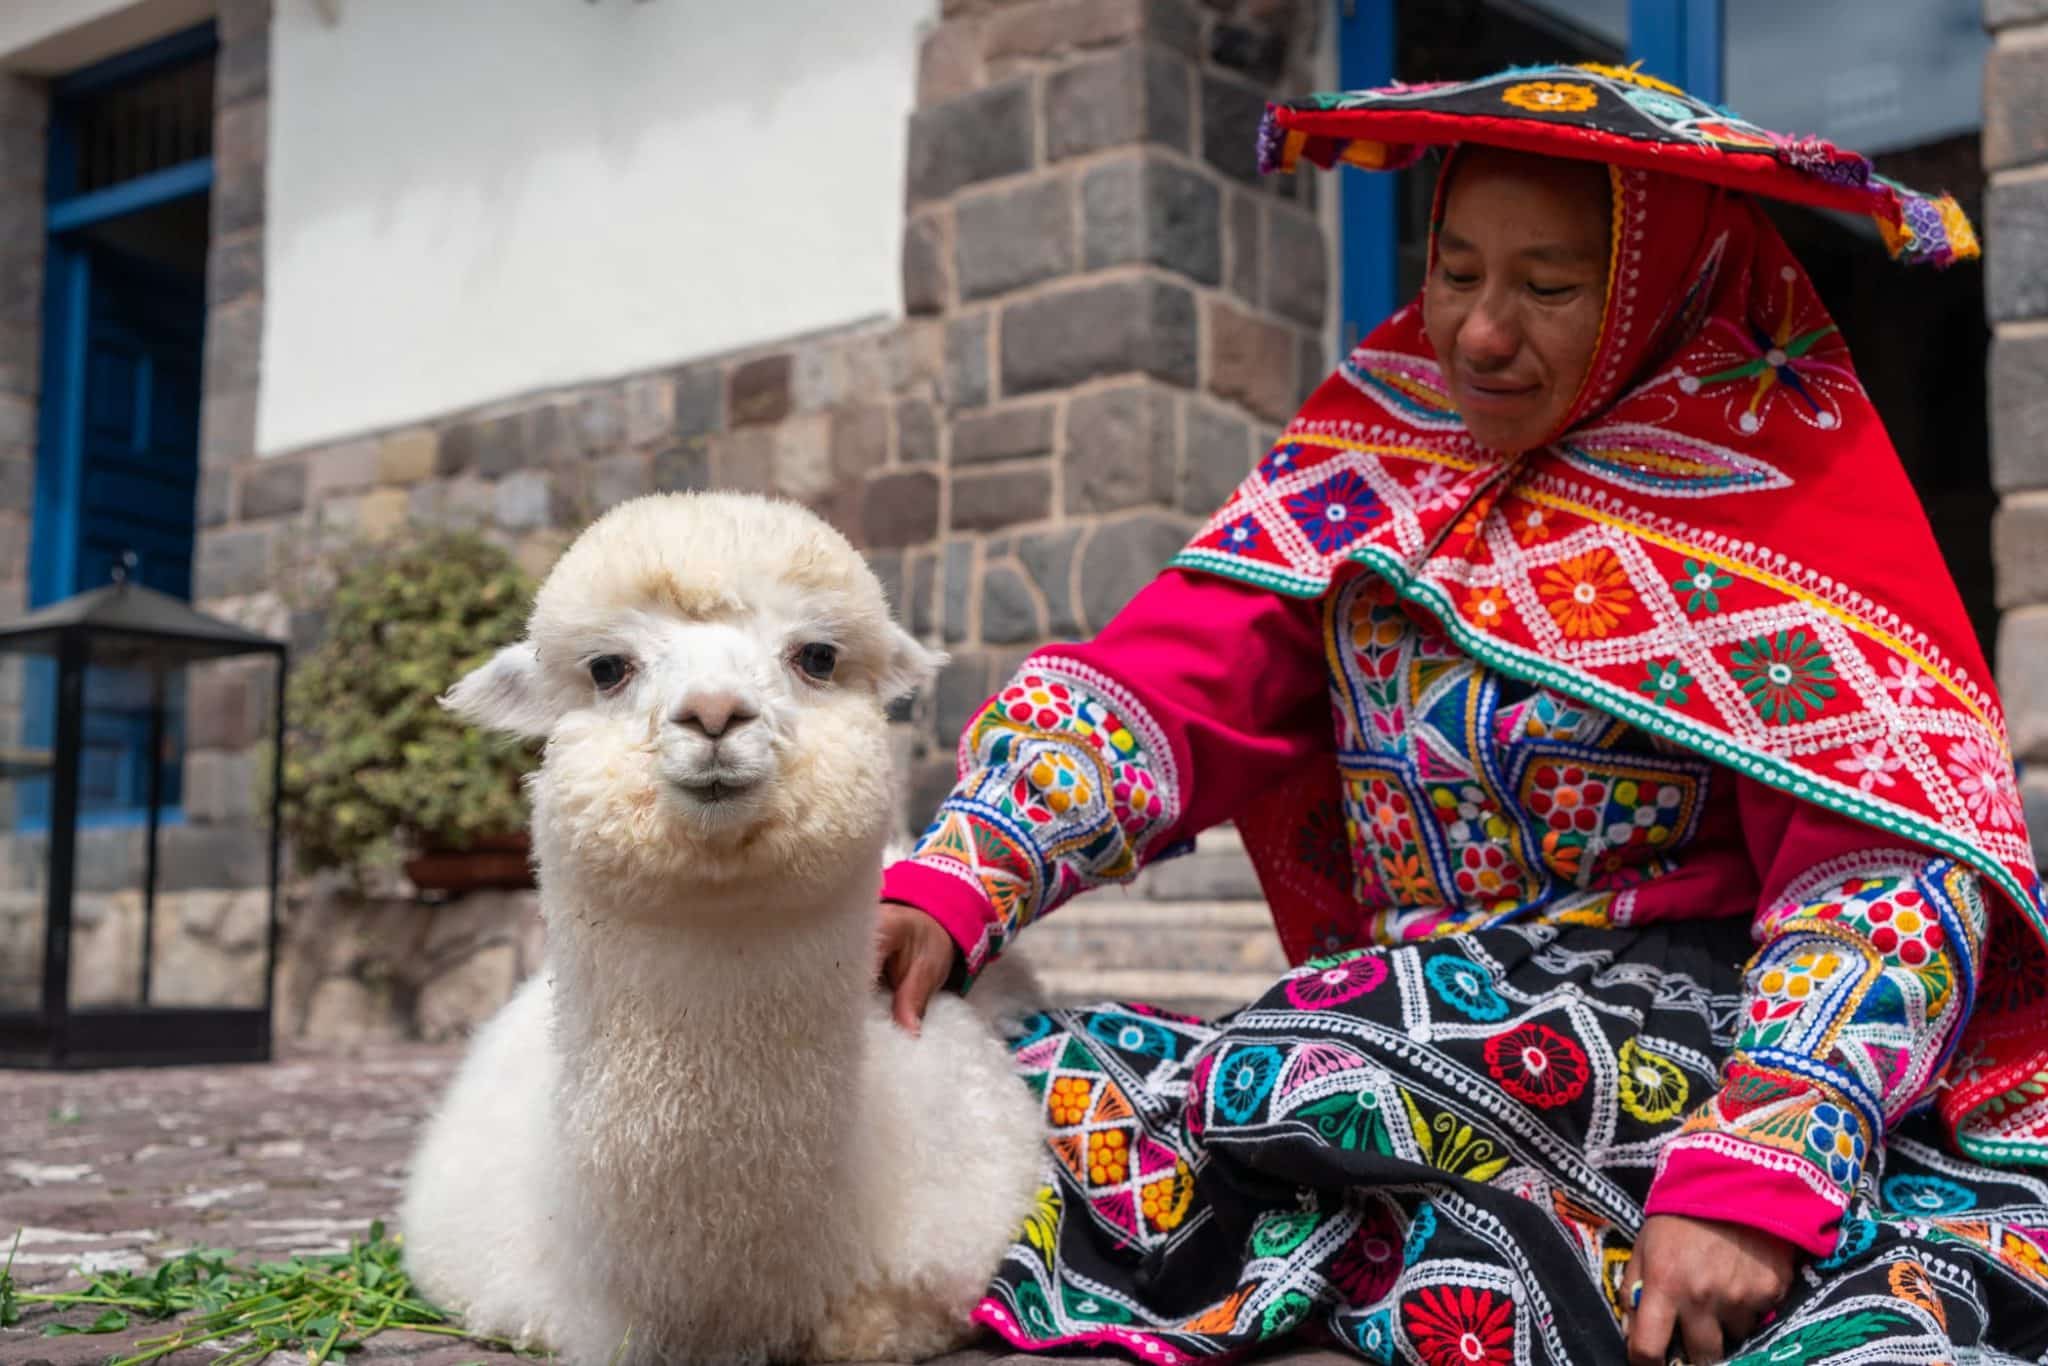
(1460,1326)
(1537,1065)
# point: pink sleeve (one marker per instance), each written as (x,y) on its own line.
(1096,759)
(1823,1063)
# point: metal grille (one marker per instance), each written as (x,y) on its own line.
(131,130)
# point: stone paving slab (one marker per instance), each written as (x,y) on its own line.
(124,1168)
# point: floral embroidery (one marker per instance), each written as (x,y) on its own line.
(1165,1202)
(1460,1326)
(1834,1141)
(1243,1077)
(1334,513)
(1486,608)
(1786,676)
(1463,986)
(1109,1156)
(1332,982)
(1280,461)
(1587,595)
(1537,1065)
(1551,97)
(1067,1100)
(1702,586)
(1986,781)
(1908,686)
(1668,684)
(1927,1195)
(1243,536)
(1652,1088)
(1872,765)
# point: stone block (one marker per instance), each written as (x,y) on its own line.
(1124,326)
(350,467)
(234,346)
(917,432)
(1006,239)
(242,68)
(743,461)
(1120,557)
(600,422)
(927,273)
(241,136)
(1120,449)
(1219,455)
(2034,801)
(1251,361)
(2015,105)
(617,478)
(382,514)
(234,270)
(523,501)
(948,63)
(1146,210)
(802,457)
(460,502)
(1047,28)
(760,391)
(900,508)
(820,379)
(1137,94)
(2019,408)
(241,20)
(988,501)
(923,573)
(1258,53)
(216,487)
(1231,112)
(956,588)
(238,199)
(684,466)
(191,857)
(1310,369)
(220,786)
(963,688)
(487,446)
(2023,680)
(967,368)
(2016,266)
(859,441)
(2004,13)
(455,1001)
(649,402)
(1048,557)
(555,435)
(409,456)
(232,562)
(17,483)
(888,566)
(2019,548)
(271,488)
(977,137)
(699,401)
(1298,278)
(1009,609)
(227,427)
(1003,434)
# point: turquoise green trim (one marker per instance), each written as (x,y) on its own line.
(1534,668)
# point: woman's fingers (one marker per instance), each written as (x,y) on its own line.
(1650,1326)
(1701,1332)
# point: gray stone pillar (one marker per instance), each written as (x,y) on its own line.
(1129,310)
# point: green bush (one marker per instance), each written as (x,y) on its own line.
(374,769)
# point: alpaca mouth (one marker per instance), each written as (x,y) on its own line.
(718,790)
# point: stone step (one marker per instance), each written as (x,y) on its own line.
(1109,931)
(1205,994)
(1218,870)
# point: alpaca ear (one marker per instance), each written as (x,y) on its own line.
(909,667)
(507,694)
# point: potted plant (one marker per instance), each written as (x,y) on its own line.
(376,774)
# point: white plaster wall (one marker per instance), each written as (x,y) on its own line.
(470,199)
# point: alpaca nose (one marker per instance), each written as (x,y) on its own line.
(713,713)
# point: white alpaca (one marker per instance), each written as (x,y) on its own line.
(696,1133)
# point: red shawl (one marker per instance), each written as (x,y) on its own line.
(1720,547)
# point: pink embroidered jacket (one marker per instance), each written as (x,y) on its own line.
(1470,799)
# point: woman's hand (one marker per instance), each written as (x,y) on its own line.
(1705,1285)
(914,959)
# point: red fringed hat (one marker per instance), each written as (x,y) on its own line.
(1619,116)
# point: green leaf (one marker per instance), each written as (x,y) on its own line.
(112,1321)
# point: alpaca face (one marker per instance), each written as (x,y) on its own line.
(710,674)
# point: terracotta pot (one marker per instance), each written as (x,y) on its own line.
(493,862)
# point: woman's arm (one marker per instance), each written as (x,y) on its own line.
(1095,759)
(1867,963)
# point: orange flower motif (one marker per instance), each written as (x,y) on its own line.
(1587,594)
(1405,878)
(1529,522)
(1486,608)
(1067,1102)
(1551,97)
(1165,1201)
(1109,1157)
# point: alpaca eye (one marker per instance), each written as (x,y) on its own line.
(608,671)
(817,660)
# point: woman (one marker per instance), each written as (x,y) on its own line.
(1590,693)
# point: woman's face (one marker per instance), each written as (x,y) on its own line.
(1513,305)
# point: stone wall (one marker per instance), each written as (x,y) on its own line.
(24,108)
(2016,295)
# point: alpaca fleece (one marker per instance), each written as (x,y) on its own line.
(695,1135)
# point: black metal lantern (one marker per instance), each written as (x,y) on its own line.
(92,797)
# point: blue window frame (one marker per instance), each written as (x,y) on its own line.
(1679,40)
(124,311)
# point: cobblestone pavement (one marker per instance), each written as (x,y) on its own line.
(123,1168)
